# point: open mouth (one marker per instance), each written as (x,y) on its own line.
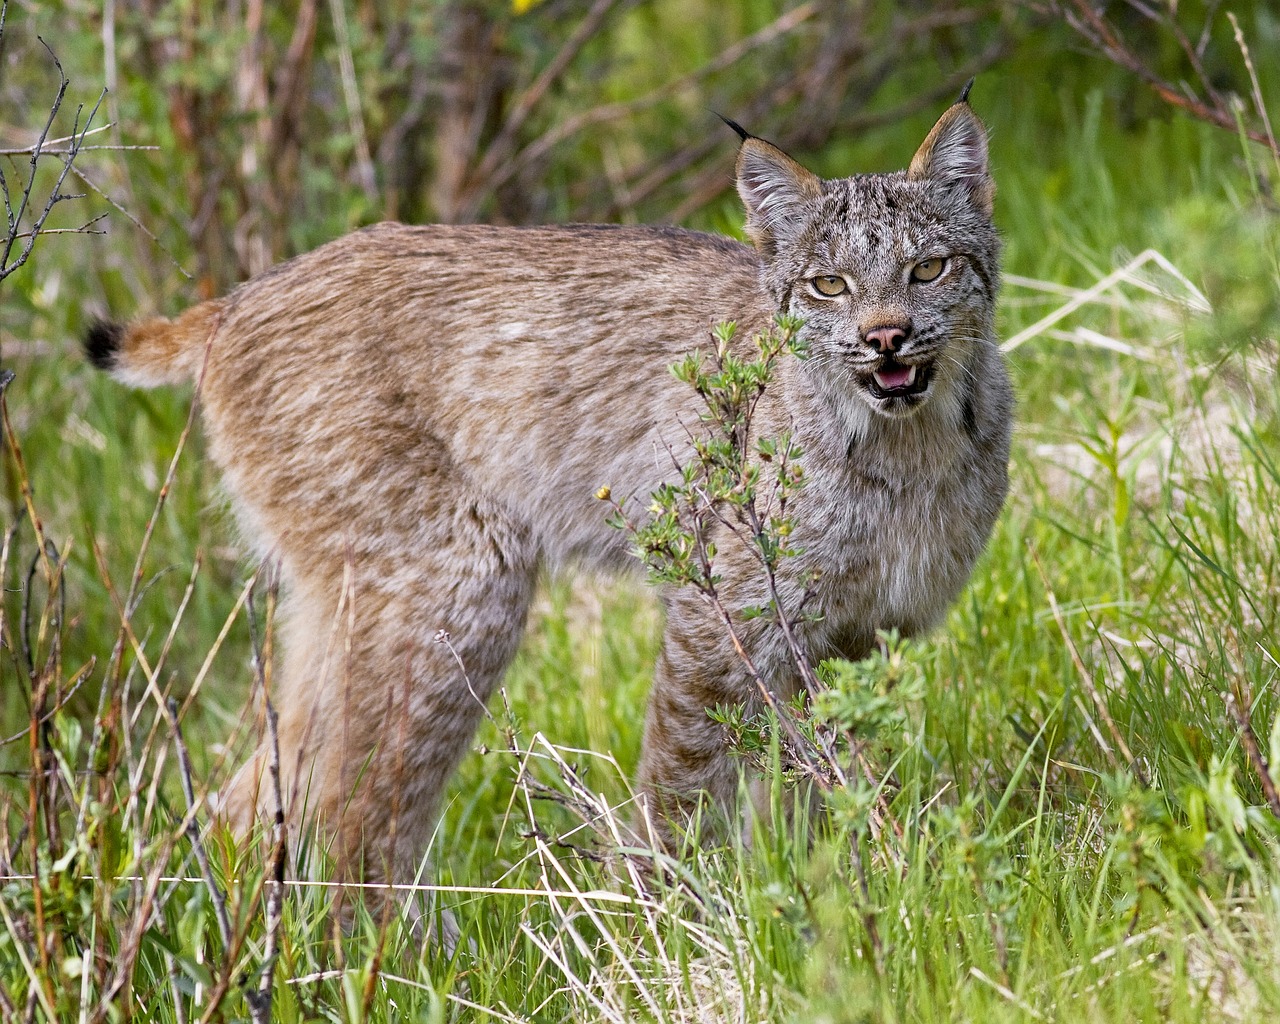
(892,379)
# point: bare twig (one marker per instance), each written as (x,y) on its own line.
(193,829)
(290,89)
(132,220)
(63,151)
(1091,23)
(14,217)
(535,150)
(1238,711)
(48,143)
(503,144)
(709,183)
(87,228)
(73,686)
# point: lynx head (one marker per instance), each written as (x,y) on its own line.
(895,275)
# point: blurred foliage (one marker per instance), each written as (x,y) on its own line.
(276,127)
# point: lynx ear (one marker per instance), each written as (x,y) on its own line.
(774,189)
(955,154)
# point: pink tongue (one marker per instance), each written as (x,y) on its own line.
(894,378)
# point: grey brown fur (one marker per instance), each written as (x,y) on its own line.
(414,420)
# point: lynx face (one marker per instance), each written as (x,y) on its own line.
(893,274)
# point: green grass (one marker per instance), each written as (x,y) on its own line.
(1071,829)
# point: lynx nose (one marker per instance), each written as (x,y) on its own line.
(888,338)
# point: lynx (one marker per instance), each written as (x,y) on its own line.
(414,421)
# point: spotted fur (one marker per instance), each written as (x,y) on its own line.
(414,421)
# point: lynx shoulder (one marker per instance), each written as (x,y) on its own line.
(415,420)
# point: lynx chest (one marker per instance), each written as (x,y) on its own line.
(893,544)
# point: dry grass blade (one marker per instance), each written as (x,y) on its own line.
(1007,993)
(1086,678)
(193,830)
(351,95)
(260,999)
(1192,298)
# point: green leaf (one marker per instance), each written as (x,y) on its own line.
(1121,513)
(1223,798)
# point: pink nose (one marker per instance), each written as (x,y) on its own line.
(886,339)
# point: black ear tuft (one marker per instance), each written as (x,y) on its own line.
(955,156)
(743,134)
(101,343)
(964,93)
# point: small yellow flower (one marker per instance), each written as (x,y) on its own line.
(604,493)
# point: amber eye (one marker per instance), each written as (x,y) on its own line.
(927,270)
(830,284)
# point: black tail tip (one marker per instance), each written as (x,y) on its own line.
(101,343)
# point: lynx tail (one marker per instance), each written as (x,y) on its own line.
(156,351)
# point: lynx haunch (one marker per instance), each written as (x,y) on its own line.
(415,420)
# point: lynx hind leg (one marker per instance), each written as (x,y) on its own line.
(374,712)
(310,629)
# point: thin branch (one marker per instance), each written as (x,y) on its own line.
(193,829)
(504,142)
(132,220)
(64,139)
(72,687)
(290,93)
(87,228)
(55,194)
(535,150)
(709,183)
(24,150)
(1249,740)
(1090,23)
(15,217)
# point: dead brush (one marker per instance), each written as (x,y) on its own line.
(627,927)
(94,856)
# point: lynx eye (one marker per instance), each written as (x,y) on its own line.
(927,270)
(829,285)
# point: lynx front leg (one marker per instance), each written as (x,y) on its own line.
(686,760)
